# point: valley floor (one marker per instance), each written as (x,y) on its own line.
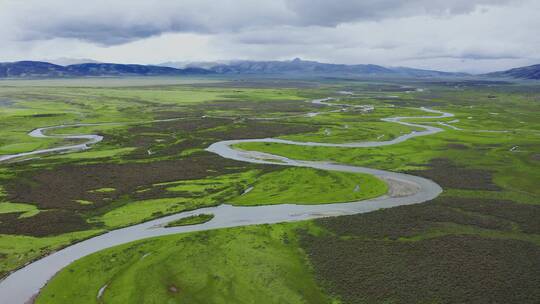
(474,243)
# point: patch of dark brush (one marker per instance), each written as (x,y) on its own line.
(409,221)
(248,129)
(448,269)
(162,192)
(526,216)
(45,115)
(263,84)
(45,223)
(171,138)
(365,258)
(60,186)
(449,175)
(261,108)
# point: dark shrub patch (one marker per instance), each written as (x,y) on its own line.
(42,224)
(449,175)
(182,125)
(407,221)
(170,138)
(262,107)
(46,115)
(252,83)
(365,259)
(526,216)
(62,186)
(449,269)
(259,129)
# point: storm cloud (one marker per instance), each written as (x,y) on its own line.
(332,13)
(120,21)
(472,35)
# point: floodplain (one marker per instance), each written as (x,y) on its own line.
(478,239)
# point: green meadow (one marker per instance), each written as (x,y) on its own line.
(472,244)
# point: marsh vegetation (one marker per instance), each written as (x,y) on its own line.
(475,242)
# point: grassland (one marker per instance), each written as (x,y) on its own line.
(149,169)
(484,143)
(473,244)
(309,186)
(191,220)
(186,269)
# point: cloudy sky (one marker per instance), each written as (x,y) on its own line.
(453,35)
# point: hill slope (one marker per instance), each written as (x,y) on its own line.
(290,67)
(298,66)
(31,69)
(45,69)
(528,72)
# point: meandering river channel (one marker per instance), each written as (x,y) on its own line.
(21,285)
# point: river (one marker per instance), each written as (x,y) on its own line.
(21,285)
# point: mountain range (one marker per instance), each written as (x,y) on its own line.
(37,69)
(44,69)
(305,67)
(528,72)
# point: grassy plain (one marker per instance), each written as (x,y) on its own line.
(191,220)
(478,240)
(257,264)
(309,186)
(150,169)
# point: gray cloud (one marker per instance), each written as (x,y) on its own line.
(469,35)
(121,21)
(332,13)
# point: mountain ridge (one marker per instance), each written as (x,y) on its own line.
(297,66)
(525,72)
(25,69)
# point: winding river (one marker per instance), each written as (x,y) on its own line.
(21,285)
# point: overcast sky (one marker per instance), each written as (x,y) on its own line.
(453,35)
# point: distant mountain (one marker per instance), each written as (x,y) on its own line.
(304,67)
(45,69)
(297,66)
(528,72)
(30,69)
(65,61)
(425,73)
(238,67)
(112,69)
(193,64)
